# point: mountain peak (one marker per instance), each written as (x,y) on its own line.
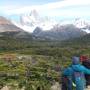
(4,21)
(30,21)
(81,23)
(34,13)
(7,26)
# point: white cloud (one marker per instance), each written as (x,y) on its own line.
(66,3)
(53,9)
(69,13)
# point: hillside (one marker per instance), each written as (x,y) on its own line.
(83,41)
(59,33)
(7,28)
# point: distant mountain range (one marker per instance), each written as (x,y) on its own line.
(15,38)
(59,33)
(29,22)
(43,28)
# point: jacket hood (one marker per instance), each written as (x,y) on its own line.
(75,60)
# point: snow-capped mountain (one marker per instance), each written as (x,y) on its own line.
(43,27)
(32,20)
(82,24)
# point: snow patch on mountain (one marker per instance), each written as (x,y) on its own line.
(80,23)
(86,30)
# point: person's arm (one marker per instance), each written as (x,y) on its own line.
(67,71)
(81,68)
(86,70)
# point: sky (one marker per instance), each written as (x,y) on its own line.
(58,9)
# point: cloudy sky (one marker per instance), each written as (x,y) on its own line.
(59,9)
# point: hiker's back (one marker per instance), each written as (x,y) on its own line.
(78,80)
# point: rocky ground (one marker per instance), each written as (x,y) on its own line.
(56,86)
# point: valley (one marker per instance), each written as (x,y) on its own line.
(29,62)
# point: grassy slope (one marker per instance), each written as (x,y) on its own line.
(45,55)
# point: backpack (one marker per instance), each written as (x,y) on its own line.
(64,83)
(75,81)
(87,77)
(78,80)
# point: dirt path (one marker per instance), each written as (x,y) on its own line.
(56,86)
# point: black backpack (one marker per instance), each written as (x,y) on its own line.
(87,65)
(64,82)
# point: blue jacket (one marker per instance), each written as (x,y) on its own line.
(80,82)
(79,68)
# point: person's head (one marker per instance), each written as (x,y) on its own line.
(83,58)
(75,60)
